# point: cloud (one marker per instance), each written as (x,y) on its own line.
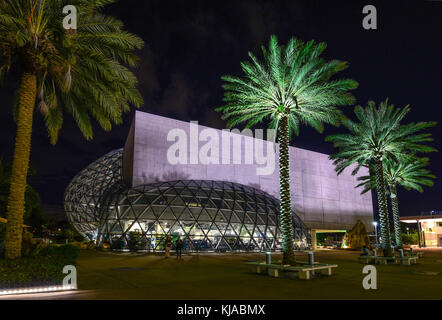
(175,97)
(146,74)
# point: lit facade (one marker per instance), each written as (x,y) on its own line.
(132,198)
(429,229)
(207,215)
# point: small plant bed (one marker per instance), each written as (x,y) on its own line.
(39,270)
(366,259)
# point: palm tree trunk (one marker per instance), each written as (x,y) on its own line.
(284,190)
(16,200)
(396,220)
(383,209)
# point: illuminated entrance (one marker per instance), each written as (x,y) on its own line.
(429,228)
(322,238)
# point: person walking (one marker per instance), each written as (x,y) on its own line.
(179,247)
(168,244)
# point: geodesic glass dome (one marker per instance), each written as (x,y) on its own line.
(208,215)
(83,195)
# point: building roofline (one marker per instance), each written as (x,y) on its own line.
(207,127)
(414,219)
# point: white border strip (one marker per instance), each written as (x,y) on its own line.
(4,292)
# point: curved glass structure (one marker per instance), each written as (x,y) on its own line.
(207,215)
(83,195)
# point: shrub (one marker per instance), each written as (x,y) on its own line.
(46,268)
(2,240)
(2,249)
(411,238)
(357,237)
(2,231)
(28,244)
(68,251)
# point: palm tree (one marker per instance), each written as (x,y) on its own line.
(80,72)
(379,136)
(291,86)
(408,173)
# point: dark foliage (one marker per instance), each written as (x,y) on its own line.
(46,268)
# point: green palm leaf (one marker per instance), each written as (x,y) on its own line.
(79,72)
(408,173)
(288,87)
(377,140)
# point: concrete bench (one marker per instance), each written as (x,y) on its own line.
(383,260)
(415,254)
(261,267)
(406,260)
(304,271)
(305,262)
(366,259)
(399,260)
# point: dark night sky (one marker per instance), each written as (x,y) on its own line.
(190,44)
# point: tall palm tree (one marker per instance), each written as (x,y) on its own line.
(379,136)
(80,72)
(408,173)
(290,86)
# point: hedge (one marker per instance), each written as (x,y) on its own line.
(44,269)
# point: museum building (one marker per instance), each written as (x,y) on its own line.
(180,179)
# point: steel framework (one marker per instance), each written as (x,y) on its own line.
(83,195)
(207,215)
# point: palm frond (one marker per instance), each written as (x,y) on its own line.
(81,72)
(379,134)
(293,76)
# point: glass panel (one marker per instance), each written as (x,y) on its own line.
(139,218)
